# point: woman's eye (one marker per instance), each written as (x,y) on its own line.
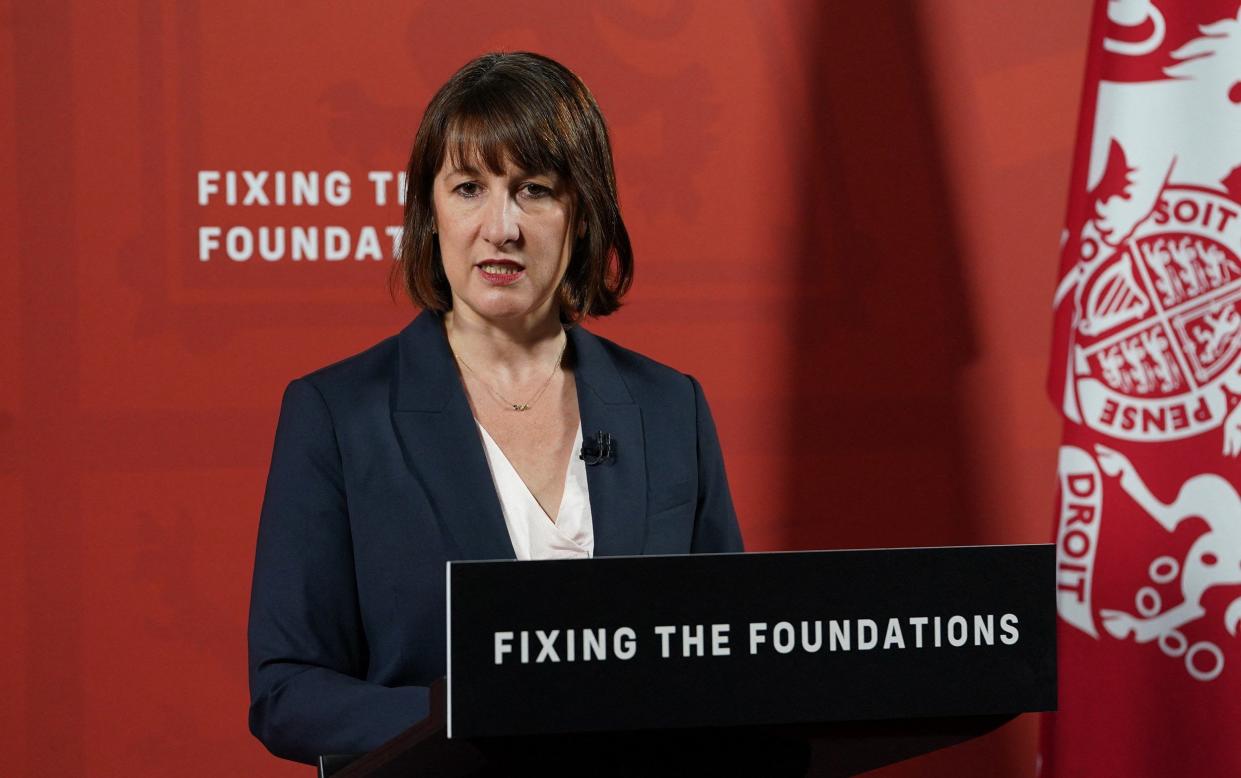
(535,191)
(468,189)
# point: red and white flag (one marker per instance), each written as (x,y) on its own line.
(1146,368)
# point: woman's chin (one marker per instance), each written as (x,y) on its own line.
(506,309)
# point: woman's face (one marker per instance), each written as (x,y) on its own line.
(505,240)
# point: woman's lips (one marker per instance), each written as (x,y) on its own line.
(498,272)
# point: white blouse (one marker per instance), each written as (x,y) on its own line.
(532,531)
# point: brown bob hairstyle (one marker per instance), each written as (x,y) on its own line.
(534,112)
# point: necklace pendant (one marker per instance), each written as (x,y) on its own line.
(521,406)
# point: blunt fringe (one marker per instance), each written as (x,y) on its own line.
(533,111)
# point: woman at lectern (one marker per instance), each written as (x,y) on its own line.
(494,426)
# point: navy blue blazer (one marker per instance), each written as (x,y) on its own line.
(378,477)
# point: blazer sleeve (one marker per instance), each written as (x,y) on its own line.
(715,521)
(307,646)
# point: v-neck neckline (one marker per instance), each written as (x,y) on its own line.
(507,464)
(432,416)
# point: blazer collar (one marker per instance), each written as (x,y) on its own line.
(617,487)
(441,444)
(443,450)
(426,379)
(593,366)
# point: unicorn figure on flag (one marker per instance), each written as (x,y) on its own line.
(1214,559)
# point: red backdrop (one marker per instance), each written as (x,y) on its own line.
(846,219)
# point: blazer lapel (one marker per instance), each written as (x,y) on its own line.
(617,488)
(441,445)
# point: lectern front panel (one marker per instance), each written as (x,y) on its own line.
(625,643)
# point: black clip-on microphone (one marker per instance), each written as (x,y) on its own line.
(601,448)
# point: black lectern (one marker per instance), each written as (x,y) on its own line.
(802,663)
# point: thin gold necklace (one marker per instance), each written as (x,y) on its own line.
(517,406)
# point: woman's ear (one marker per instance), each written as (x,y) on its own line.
(581,228)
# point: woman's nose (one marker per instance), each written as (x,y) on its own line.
(500,220)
